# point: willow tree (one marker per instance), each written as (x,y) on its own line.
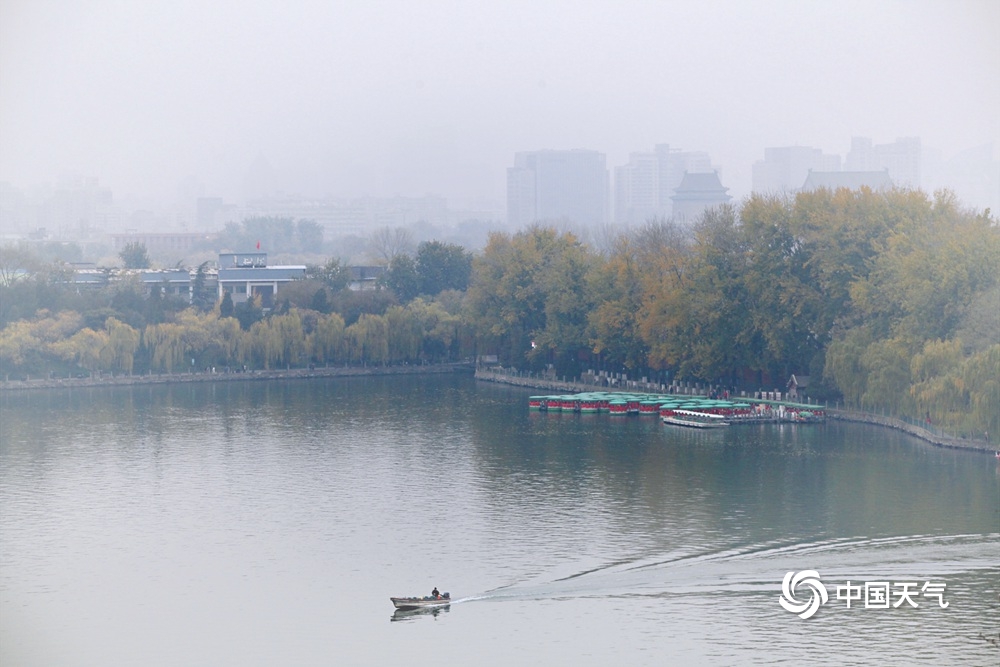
(405,334)
(231,340)
(278,340)
(87,348)
(31,345)
(123,342)
(368,339)
(165,343)
(290,331)
(900,347)
(265,346)
(438,329)
(326,342)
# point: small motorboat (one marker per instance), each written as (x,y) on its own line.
(694,419)
(421,602)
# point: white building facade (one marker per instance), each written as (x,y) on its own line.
(644,188)
(558,185)
(902,158)
(785,168)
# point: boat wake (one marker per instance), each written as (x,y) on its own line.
(760,567)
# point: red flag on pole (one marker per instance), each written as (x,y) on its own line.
(258,245)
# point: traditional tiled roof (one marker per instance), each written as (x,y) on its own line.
(798,381)
(852,180)
(701,185)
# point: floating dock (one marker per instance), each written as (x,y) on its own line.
(742,411)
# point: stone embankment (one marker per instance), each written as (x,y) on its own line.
(108,380)
(939,439)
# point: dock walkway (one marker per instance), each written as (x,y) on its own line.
(938,439)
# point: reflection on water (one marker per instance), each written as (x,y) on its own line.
(413,614)
(266,523)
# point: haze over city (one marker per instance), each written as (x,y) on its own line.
(349,99)
(499,332)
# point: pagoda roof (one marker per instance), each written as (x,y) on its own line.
(701,185)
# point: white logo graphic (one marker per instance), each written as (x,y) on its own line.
(817,597)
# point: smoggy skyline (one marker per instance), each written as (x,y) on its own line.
(387,98)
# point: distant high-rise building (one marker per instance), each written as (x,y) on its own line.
(973,175)
(696,193)
(358,215)
(637,189)
(553,185)
(644,187)
(902,158)
(785,168)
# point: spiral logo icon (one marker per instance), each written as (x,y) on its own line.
(817,596)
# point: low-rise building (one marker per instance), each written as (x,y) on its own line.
(365,277)
(246,275)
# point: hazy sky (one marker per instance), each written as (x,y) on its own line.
(414,97)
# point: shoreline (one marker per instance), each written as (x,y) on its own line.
(13,386)
(831,413)
(241,376)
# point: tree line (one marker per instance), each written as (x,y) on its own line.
(887,300)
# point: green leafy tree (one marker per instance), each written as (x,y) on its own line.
(665,270)
(616,290)
(442,266)
(249,312)
(134,255)
(310,235)
(439,330)
(335,274)
(352,305)
(31,286)
(531,289)
(718,338)
(783,302)
(226,308)
(273,233)
(202,296)
(402,278)
(320,302)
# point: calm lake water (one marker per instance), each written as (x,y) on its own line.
(268,524)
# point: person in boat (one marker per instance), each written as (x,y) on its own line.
(435,594)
